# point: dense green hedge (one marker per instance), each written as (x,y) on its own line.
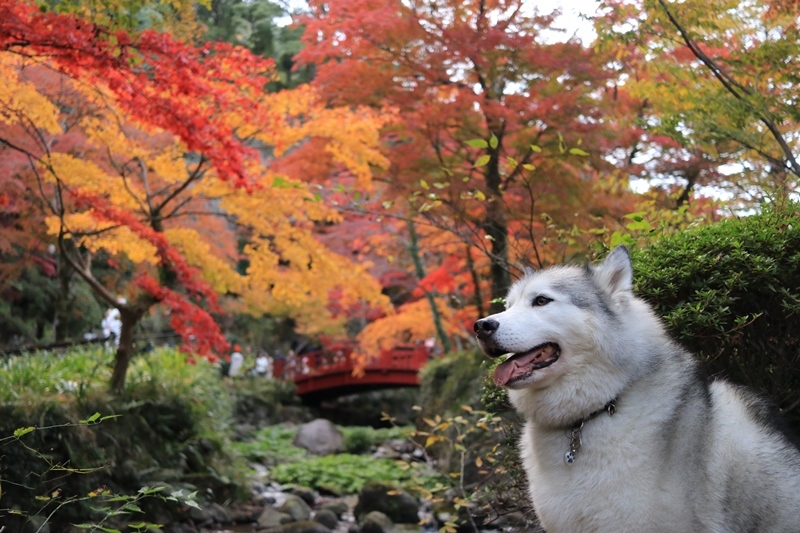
(730,292)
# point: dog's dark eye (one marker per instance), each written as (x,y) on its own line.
(541,300)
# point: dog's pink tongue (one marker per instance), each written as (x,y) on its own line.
(514,367)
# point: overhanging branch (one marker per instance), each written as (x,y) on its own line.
(736,89)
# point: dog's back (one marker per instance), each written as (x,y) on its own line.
(760,489)
(622,432)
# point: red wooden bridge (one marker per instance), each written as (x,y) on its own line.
(328,372)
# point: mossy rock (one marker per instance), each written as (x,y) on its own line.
(395,503)
(327,518)
(271,517)
(338,507)
(296,507)
(376,522)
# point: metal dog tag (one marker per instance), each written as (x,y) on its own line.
(574,447)
(569,458)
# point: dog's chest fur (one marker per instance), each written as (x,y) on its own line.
(609,487)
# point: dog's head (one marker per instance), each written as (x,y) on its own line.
(563,325)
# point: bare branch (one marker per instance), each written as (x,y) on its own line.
(83,270)
(196,174)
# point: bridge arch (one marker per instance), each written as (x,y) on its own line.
(328,373)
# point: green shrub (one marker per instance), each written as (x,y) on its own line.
(391,433)
(475,452)
(261,402)
(30,379)
(359,439)
(163,375)
(730,292)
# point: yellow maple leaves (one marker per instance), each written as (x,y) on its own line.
(20,102)
(87,231)
(351,135)
(219,271)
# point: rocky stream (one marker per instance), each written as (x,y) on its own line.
(377,508)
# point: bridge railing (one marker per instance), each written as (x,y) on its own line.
(337,358)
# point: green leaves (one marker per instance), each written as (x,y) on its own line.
(639,223)
(492,144)
(618,238)
(478,143)
(283,183)
(729,292)
(342,473)
(96,419)
(23,431)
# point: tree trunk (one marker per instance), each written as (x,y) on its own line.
(496,228)
(63,298)
(125,349)
(478,299)
(419,270)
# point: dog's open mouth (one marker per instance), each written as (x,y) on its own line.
(522,365)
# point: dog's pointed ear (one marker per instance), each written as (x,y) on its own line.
(615,273)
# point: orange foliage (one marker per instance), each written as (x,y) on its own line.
(413,322)
(500,150)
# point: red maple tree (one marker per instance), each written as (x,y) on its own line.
(502,154)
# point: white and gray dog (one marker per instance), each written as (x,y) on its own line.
(622,433)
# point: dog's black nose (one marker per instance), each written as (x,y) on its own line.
(485,327)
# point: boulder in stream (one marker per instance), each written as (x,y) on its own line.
(296,507)
(320,437)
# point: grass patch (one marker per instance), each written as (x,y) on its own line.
(344,473)
(32,378)
(347,473)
